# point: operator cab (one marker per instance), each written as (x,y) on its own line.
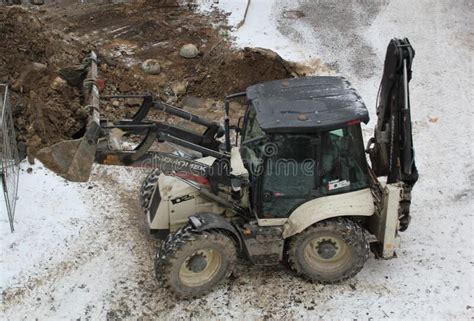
(302,140)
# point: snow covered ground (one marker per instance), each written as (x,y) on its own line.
(81,250)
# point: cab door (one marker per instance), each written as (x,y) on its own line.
(253,139)
(289,175)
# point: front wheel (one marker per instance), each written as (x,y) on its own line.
(329,251)
(147,187)
(191,264)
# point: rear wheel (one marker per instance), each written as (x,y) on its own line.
(191,264)
(148,185)
(330,251)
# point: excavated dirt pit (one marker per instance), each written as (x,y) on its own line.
(39,42)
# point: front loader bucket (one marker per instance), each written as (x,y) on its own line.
(73,159)
(70,159)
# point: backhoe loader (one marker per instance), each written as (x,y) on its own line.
(289,183)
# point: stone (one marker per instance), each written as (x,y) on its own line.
(189,51)
(31,158)
(193,101)
(134,101)
(73,74)
(111,62)
(293,14)
(179,88)
(36,66)
(103,67)
(151,66)
(58,84)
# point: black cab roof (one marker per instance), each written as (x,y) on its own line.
(306,104)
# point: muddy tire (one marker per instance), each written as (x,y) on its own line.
(329,251)
(146,190)
(191,264)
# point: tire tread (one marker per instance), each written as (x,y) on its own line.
(362,249)
(168,255)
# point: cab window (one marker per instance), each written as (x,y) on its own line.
(252,129)
(343,162)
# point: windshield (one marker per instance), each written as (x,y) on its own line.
(252,143)
(252,129)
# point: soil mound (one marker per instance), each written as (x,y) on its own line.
(37,44)
(45,108)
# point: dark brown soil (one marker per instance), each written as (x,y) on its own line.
(46,110)
(235,71)
(30,56)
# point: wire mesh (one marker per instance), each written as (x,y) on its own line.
(9,160)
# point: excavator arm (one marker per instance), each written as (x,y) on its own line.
(391,149)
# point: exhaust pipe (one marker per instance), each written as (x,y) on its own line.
(73,159)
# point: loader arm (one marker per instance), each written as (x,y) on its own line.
(391,149)
(73,159)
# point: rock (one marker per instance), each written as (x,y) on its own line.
(193,101)
(58,84)
(73,75)
(116,103)
(151,66)
(179,88)
(111,62)
(134,101)
(189,51)
(293,14)
(31,158)
(36,66)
